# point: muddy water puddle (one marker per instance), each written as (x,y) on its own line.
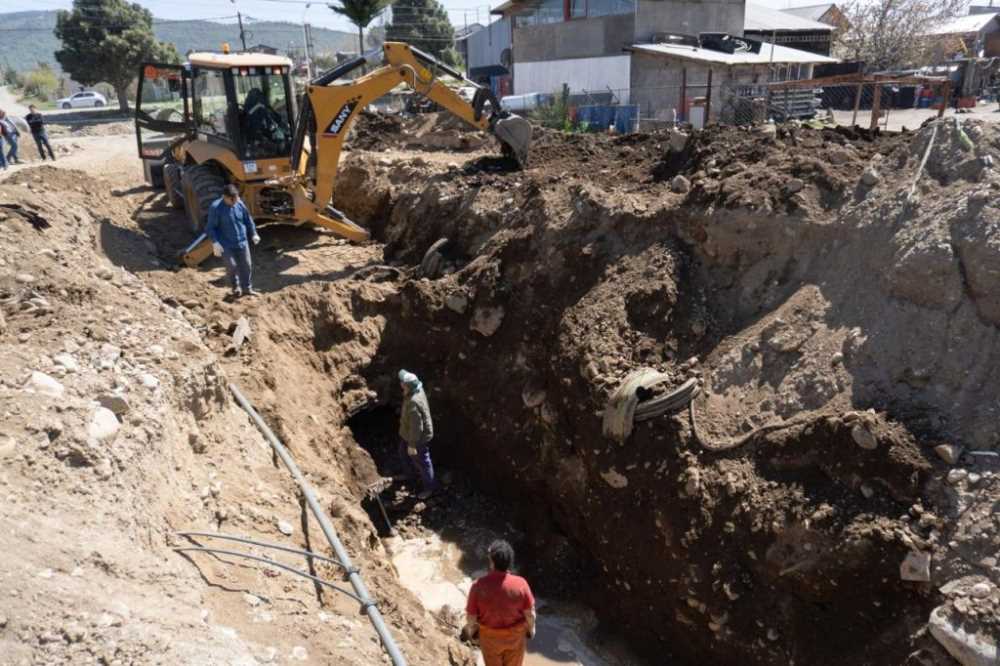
(440,574)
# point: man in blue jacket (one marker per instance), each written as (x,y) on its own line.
(229,226)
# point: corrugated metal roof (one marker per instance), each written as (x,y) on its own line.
(764,19)
(963,25)
(811,12)
(782,54)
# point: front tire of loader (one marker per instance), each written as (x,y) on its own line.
(172,185)
(202,185)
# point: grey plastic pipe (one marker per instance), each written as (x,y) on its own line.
(367,605)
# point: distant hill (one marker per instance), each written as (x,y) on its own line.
(27,37)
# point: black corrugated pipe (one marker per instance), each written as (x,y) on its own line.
(353,575)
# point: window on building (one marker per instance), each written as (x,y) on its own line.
(556,11)
(609,7)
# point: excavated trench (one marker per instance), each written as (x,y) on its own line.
(730,543)
(733,544)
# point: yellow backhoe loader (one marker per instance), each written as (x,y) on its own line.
(230,118)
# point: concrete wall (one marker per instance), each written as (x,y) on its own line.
(548,76)
(691,17)
(658,84)
(579,38)
(486,45)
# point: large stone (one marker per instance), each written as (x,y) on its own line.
(104,424)
(678,141)
(968,649)
(486,321)
(285,528)
(680,184)
(916,567)
(24,278)
(66,361)
(794,185)
(863,437)
(870,177)
(457,302)
(981,590)
(948,453)
(42,383)
(115,403)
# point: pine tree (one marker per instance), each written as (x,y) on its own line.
(423,24)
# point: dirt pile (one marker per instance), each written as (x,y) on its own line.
(815,290)
(427,131)
(119,432)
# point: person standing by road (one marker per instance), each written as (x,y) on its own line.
(501,608)
(229,226)
(416,430)
(9,131)
(41,137)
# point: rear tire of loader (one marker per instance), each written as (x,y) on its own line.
(172,185)
(202,185)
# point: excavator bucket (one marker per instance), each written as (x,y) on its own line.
(515,133)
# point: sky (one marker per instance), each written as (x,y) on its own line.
(459,11)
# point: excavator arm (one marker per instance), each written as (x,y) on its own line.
(329,109)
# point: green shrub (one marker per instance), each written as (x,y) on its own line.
(41,83)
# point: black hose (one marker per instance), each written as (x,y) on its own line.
(263,544)
(234,553)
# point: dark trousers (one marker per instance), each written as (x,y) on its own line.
(42,141)
(419,463)
(239,267)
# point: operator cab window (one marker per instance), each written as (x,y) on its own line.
(211,109)
(264,112)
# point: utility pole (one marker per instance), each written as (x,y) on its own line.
(243,35)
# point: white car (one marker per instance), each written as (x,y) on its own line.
(82,99)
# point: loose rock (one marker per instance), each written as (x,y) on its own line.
(916,567)
(285,528)
(968,649)
(103,424)
(863,437)
(45,384)
(948,453)
(680,184)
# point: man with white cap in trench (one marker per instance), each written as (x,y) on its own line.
(416,429)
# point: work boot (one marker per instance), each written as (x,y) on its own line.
(252,292)
(235,293)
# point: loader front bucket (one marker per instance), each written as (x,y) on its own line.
(515,133)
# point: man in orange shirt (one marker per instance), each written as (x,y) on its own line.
(502,609)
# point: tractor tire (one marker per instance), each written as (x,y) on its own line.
(172,185)
(202,185)
(67,105)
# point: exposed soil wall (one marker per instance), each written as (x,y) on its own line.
(805,281)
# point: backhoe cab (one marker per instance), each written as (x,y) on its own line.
(229,118)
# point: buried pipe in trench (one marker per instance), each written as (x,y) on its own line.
(367,605)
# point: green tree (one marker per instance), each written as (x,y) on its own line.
(423,24)
(360,13)
(107,40)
